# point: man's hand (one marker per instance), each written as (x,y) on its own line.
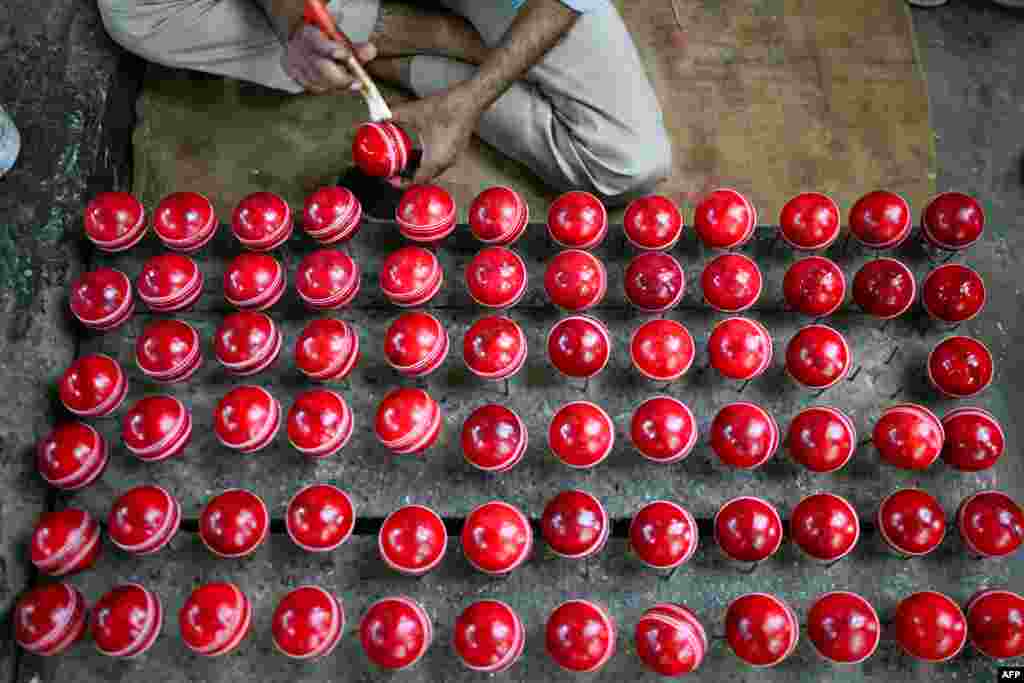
(317,62)
(445,123)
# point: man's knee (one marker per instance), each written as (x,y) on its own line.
(630,166)
(120,21)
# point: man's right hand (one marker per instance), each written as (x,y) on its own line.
(317,63)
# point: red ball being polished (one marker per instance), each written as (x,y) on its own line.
(412,540)
(740,348)
(411,276)
(809,221)
(234,523)
(575,524)
(115,221)
(991,524)
(654,282)
(748,529)
(662,350)
(930,626)
(496,538)
(579,346)
(488,636)
(94,386)
(652,222)
(65,542)
(494,347)
(319,423)
(246,419)
(731,283)
(884,288)
(498,216)
(960,367)
(416,344)
(102,299)
(215,619)
(72,456)
(761,629)
(169,282)
(395,633)
(581,434)
(331,215)
(974,439)
(254,281)
(953,221)
(143,520)
(953,293)
(818,356)
(168,351)
(880,220)
(911,522)
(156,427)
(577,220)
(814,286)
(126,621)
(320,518)
(744,435)
(185,221)
(663,429)
(381,149)
(494,438)
(327,349)
(408,421)
(663,535)
(580,636)
(327,280)
(496,277)
(308,623)
(908,436)
(262,221)
(247,342)
(825,526)
(670,640)
(425,213)
(724,219)
(49,619)
(995,623)
(844,627)
(575,280)
(821,438)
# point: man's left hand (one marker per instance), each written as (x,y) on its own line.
(445,123)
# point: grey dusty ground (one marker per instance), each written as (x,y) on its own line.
(972,56)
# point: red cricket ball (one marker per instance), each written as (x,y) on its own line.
(731,283)
(416,344)
(115,221)
(884,288)
(496,538)
(262,221)
(496,277)
(580,636)
(991,524)
(215,619)
(319,423)
(908,436)
(825,526)
(327,349)
(185,221)
(488,636)
(960,367)
(654,282)
(995,625)
(844,627)
(381,149)
(740,348)
(744,435)
(94,386)
(814,286)
(974,439)
(953,293)
(880,220)
(157,427)
(411,276)
(953,221)
(911,522)
(234,523)
(818,356)
(408,421)
(575,280)
(49,619)
(930,626)
(494,438)
(761,629)
(168,351)
(254,281)
(821,438)
(246,418)
(577,220)
(652,222)
(247,342)
(126,621)
(662,350)
(327,280)
(494,347)
(498,215)
(65,542)
(748,529)
(663,534)
(102,299)
(412,540)
(143,520)
(169,282)
(579,346)
(425,213)
(724,219)
(308,623)
(320,517)
(395,632)
(575,524)
(663,429)
(331,215)
(581,434)
(810,221)
(670,640)
(72,456)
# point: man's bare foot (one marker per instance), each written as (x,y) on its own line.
(404,30)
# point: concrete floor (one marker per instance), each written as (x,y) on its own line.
(972,56)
